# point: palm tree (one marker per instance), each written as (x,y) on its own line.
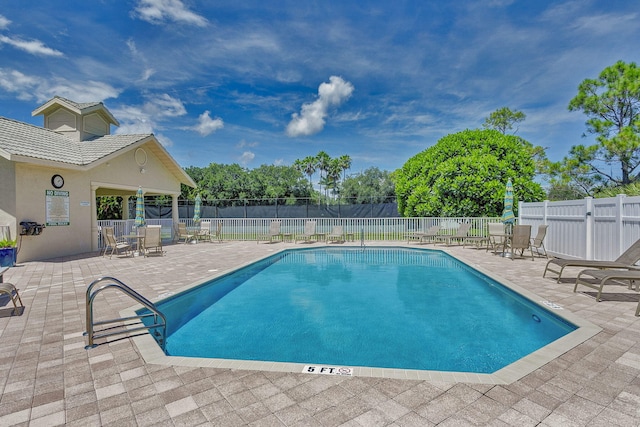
(333,175)
(307,166)
(344,163)
(322,163)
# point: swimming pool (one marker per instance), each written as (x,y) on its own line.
(382,307)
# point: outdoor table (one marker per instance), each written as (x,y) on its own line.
(505,244)
(139,238)
(2,271)
(287,237)
(321,237)
(195,231)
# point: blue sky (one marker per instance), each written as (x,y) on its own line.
(255,82)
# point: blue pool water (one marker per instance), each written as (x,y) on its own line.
(381,307)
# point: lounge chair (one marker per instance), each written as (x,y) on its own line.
(537,242)
(152,240)
(520,241)
(496,236)
(182,233)
(273,234)
(603,276)
(11,291)
(309,232)
(460,234)
(420,236)
(624,261)
(114,244)
(477,241)
(336,235)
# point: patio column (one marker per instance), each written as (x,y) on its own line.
(175,215)
(94,219)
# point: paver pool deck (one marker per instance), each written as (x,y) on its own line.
(48,378)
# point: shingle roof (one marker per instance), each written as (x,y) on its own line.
(22,139)
(79,105)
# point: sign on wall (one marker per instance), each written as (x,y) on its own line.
(57,204)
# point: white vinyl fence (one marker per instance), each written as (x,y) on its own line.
(589,228)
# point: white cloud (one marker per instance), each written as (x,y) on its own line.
(4,22)
(164,140)
(147,71)
(27,87)
(311,119)
(246,158)
(243,143)
(144,119)
(206,125)
(164,106)
(158,11)
(34,47)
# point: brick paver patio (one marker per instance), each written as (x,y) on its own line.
(48,378)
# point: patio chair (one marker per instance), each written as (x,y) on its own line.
(218,233)
(273,234)
(182,233)
(153,240)
(309,232)
(421,236)
(114,244)
(602,277)
(460,234)
(10,290)
(625,261)
(520,241)
(496,236)
(537,242)
(204,233)
(336,235)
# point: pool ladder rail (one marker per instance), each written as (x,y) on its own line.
(123,325)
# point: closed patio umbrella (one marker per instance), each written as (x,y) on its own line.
(507,214)
(139,208)
(196,210)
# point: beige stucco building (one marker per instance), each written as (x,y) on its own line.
(52,175)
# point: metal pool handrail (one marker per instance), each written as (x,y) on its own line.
(159,320)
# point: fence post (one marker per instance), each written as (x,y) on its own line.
(619,222)
(545,211)
(588,229)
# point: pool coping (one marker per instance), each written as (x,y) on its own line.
(151,352)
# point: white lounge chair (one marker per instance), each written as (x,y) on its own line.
(420,236)
(336,235)
(273,234)
(309,232)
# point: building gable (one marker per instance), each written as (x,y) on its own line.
(61,120)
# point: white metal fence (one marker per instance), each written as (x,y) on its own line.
(588,228)
(384,229)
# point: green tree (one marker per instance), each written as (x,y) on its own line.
(323,160)
(109,207)
(612,105)
(267,182)
(344,162)
(464,174)
(270,181)
(503,120)
(308,166)
(370,186)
